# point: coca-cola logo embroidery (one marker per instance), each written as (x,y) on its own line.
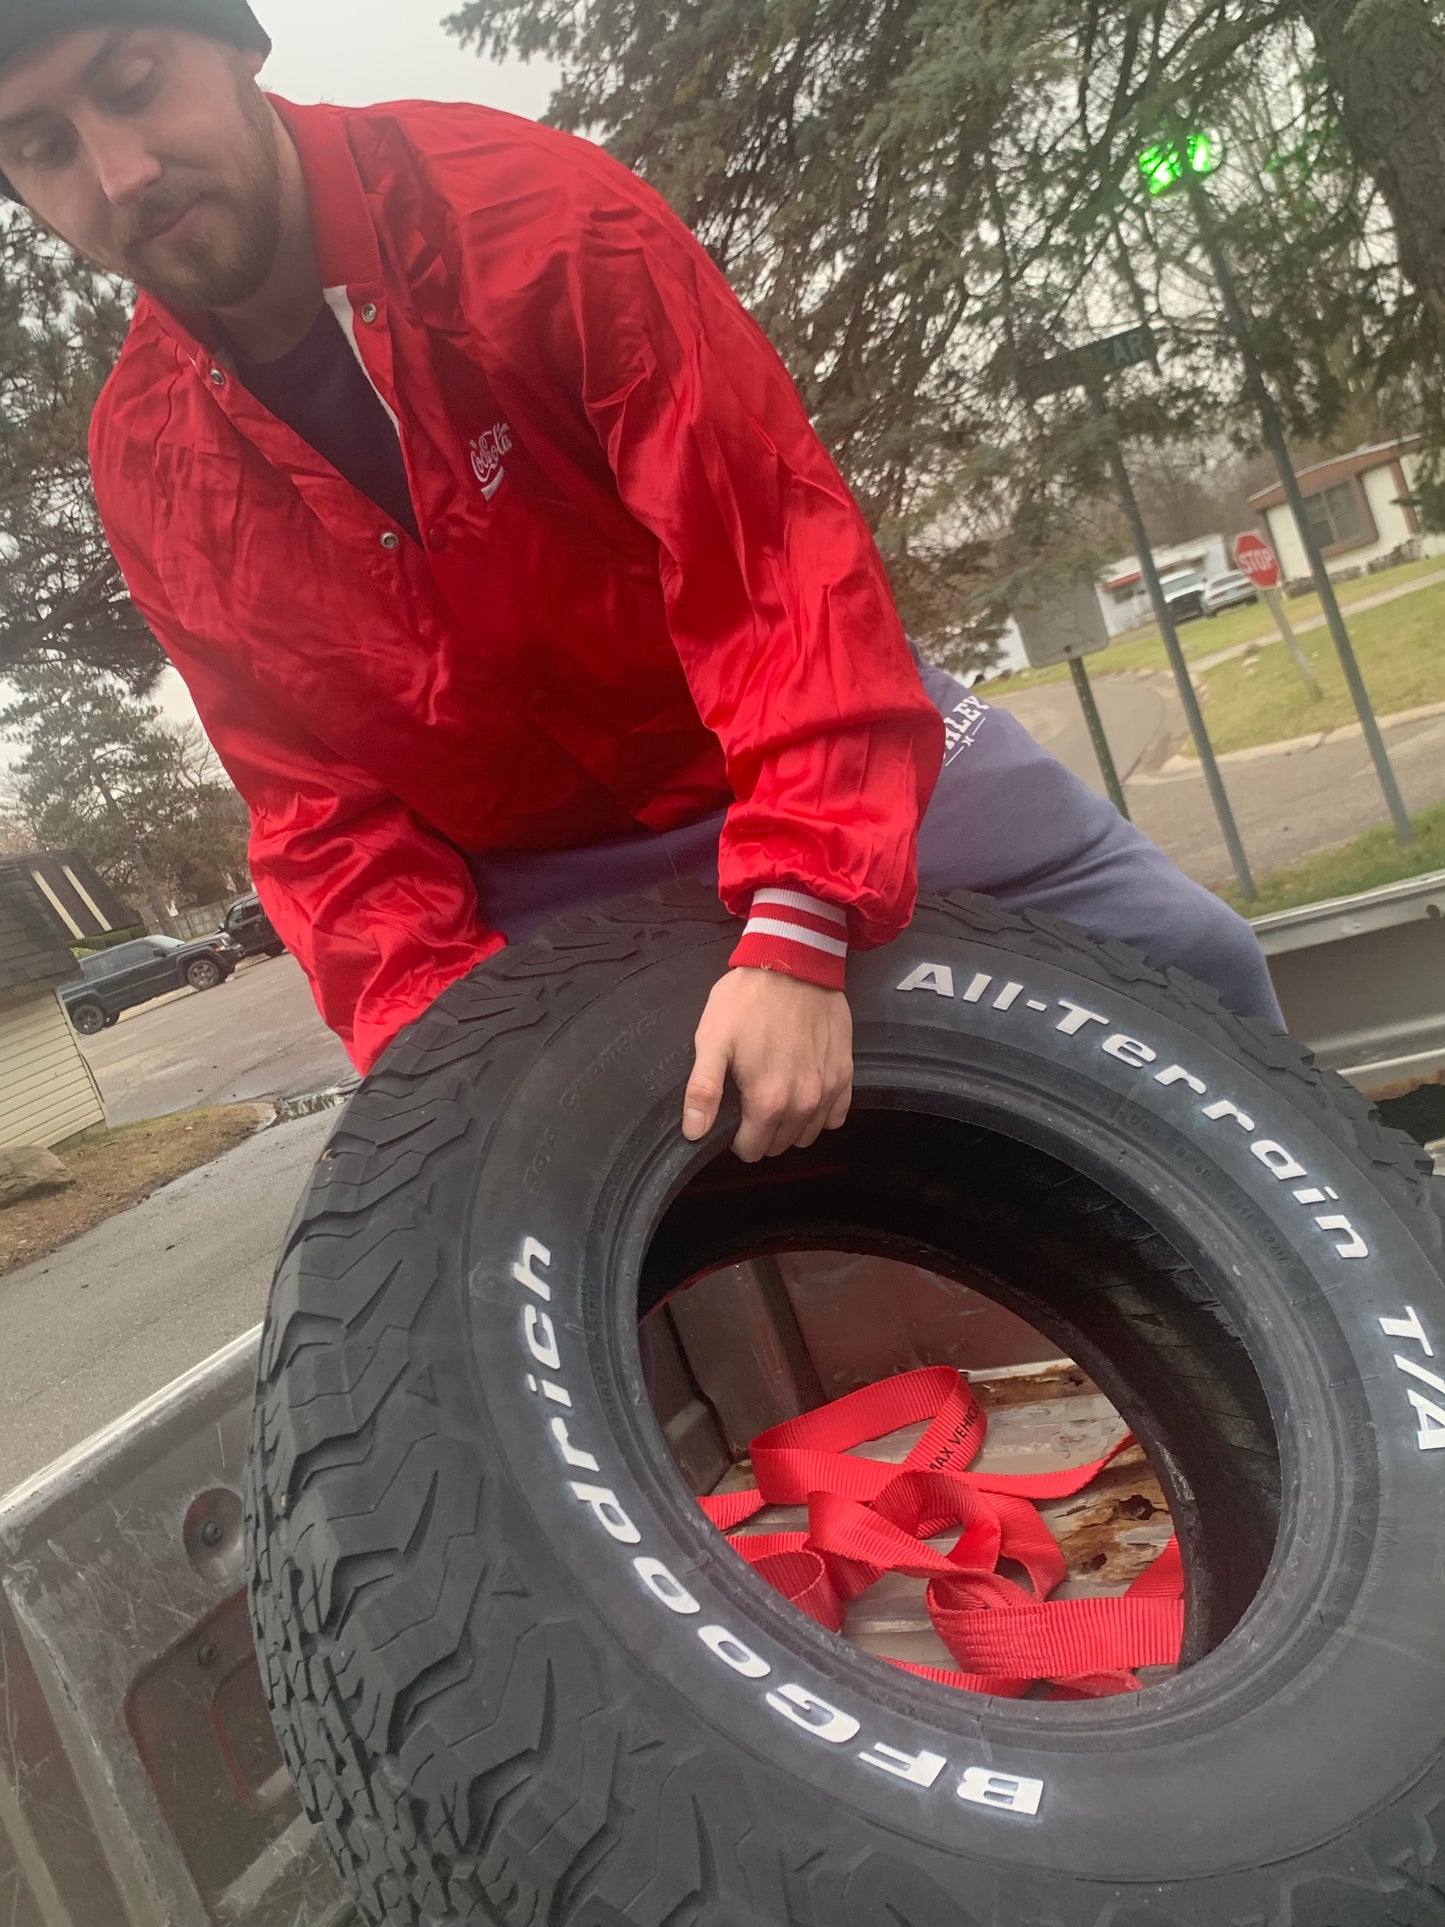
(488,453)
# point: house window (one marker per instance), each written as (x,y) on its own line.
(1338,518)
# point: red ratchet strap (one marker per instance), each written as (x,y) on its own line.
(866,1518)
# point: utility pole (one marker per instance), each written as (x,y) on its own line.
(1190,177)
(1089,367)
(1183,682)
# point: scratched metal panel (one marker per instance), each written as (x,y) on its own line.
(1361,981)
(140,1785)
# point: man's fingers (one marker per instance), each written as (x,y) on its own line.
(765,1115)
(704,1097)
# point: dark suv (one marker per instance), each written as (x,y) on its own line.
(136,973)
(247,924)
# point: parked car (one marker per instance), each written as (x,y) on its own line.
(1229,591)
(247,924)
(1184,593)
(138,972)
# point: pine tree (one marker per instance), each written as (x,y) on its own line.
(61,327)
(917,197)
(100,771)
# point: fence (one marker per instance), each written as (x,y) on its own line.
(201,922)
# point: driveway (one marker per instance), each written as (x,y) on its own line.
(1288,802)
(93,1330)
(257,1036)
(1133,711)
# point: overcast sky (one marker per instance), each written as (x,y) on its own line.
(360,51)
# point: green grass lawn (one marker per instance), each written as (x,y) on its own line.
(1260,699)
(1144,649)
(1368,863)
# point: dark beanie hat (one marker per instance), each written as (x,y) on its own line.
(25,23)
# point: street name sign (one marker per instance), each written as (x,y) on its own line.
(1081,367)
(1062,625)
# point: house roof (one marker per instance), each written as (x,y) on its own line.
(1322,475)
(75,891)
(1181,555)
(34,950)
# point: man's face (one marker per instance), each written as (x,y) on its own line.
(153,153)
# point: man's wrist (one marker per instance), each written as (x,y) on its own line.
(796,935)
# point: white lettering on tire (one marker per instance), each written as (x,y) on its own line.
(1429,1412)
(815,1715)
(614,1520)
(1276,1158)
(804,1710)
(661,1584)
(1005,1792)
(919,1769)
(732,1652)
(542,1339)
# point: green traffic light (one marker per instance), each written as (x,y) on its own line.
(1163,164)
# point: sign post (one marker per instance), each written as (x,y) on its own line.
(1066,626)
(1089,367)
(1255,558)
(1190,182)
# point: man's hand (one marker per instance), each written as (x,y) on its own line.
(790,1047)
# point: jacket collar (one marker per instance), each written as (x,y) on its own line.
(345,237)
(346,242)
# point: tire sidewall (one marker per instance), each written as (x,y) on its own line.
(591,1127)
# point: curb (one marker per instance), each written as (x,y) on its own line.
(1181,764)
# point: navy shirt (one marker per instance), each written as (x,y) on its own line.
(321,390)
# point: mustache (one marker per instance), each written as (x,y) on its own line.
(155,215)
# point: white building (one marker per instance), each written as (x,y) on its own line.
(1357,508)
(1125,599)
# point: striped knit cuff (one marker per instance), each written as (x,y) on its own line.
(797,935)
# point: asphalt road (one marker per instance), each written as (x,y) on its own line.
(1287,804)
(121,1312)
(257,1036)
(1133,712)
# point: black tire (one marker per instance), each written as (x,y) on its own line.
(89,1019)
(515,1691)
(112,1019)
(204,973)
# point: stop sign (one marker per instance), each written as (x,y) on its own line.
(1255,558)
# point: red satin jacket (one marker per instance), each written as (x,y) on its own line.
(643,590)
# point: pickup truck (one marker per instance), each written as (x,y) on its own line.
(247,924)
(140,1782)
(116,980)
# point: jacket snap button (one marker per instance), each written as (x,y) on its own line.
(391,540)
(369,313)
(218,378)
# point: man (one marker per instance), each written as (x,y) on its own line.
(504,567)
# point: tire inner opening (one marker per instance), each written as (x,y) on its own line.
(909,1240)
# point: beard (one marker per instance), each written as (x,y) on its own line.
(228,261)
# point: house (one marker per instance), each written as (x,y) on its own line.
(1357,508)
(1122,592)
(47,1090)
(76,892)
